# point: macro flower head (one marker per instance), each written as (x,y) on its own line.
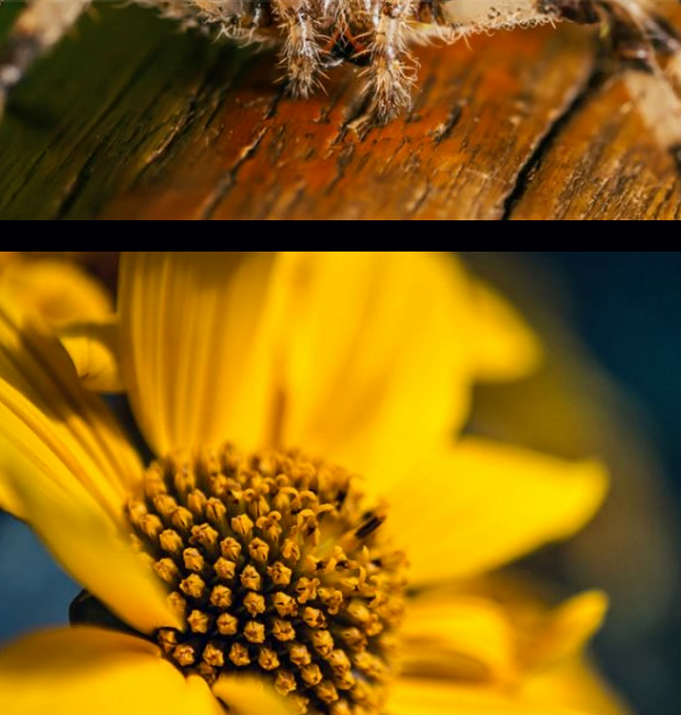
(306,537)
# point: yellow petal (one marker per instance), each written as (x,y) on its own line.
(424,696)
(58,291)
(193,358)
(81,671)
(6,257)
(53,451)
(9,501)
(481,504)
(93,348)
(251,695)
(44,403)
(568,628)
(577,685)
(377,363)
(82,536)
(345,355)
(506,348)
(457,636)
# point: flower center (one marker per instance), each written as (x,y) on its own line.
(278,567)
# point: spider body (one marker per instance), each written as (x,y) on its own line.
(376,35)
(344,46)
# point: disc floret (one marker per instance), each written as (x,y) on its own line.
(278,566)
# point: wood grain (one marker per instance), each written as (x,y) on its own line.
(130,119)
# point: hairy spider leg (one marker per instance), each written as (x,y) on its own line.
(317,34)
(392,71)
(39,26)
(302,52)
(462,18)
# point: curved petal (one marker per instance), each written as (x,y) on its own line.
(505,347)
(67,469)
(192,350)
(423,696)
(58,291)
(377,363)
(94,350)
(251,695)
(43,402)
(84,670)
(82,536)
(481,504)
(567,629)
(458,636)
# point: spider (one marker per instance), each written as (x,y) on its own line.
(315,35)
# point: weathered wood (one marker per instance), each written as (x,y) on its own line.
(604,166)
(132,119)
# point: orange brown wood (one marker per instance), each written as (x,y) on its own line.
(131,119)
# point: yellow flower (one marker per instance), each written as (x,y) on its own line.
(281,570)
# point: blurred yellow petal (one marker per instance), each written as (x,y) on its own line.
(251,695)
(54,452)
(193,358)
(81,671)
(9,501)
(506,348)
(429,696)
(457,636)
(576,684)
(6,257)
(377,364)
(93,348)
(58,291)
(568,628)
(299,358)
(42,399)
(87,542)
(481,504)
(562,681)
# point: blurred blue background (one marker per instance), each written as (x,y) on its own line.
(626,307)
(623,308)
(34,592)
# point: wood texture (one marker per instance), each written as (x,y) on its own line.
(132,119)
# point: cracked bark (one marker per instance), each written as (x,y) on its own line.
(130,119)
